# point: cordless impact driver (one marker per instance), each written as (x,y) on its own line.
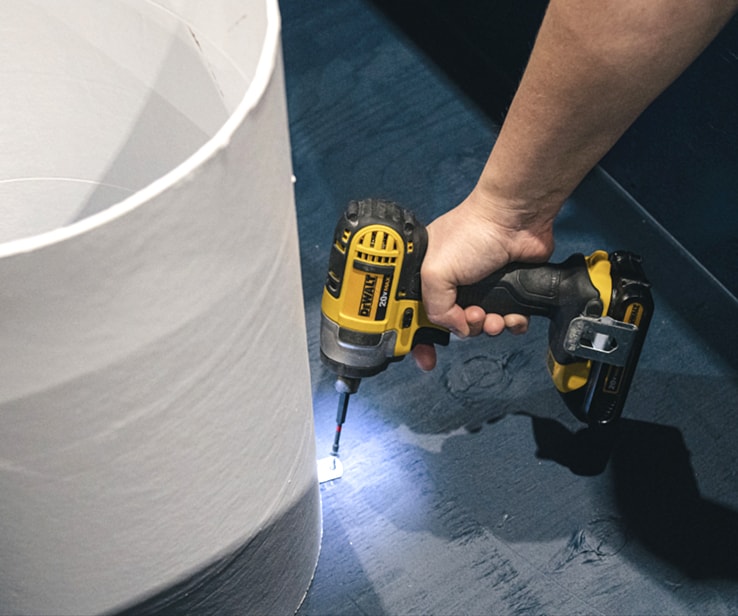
(599,308)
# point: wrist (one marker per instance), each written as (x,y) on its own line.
(517,209)
(524,228)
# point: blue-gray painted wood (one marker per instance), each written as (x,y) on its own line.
(470,489)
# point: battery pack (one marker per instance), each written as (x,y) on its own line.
(601,397)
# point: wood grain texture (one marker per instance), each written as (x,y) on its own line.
(471,490)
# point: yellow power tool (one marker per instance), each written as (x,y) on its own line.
(599,306)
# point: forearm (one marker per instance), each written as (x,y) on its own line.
(594,68)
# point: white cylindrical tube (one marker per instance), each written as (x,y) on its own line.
(155,410)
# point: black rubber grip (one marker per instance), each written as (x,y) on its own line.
(518,288)
(559,291)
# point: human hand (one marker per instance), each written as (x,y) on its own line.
(465,245)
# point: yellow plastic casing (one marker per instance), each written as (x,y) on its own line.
(369,300)
(569,377)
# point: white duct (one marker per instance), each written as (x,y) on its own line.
(155,409)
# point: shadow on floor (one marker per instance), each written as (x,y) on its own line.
(655,490)
(637,476)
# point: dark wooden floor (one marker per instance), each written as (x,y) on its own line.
(471,490)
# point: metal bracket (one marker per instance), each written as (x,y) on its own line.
(601,339)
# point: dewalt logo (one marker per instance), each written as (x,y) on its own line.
(367,295)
